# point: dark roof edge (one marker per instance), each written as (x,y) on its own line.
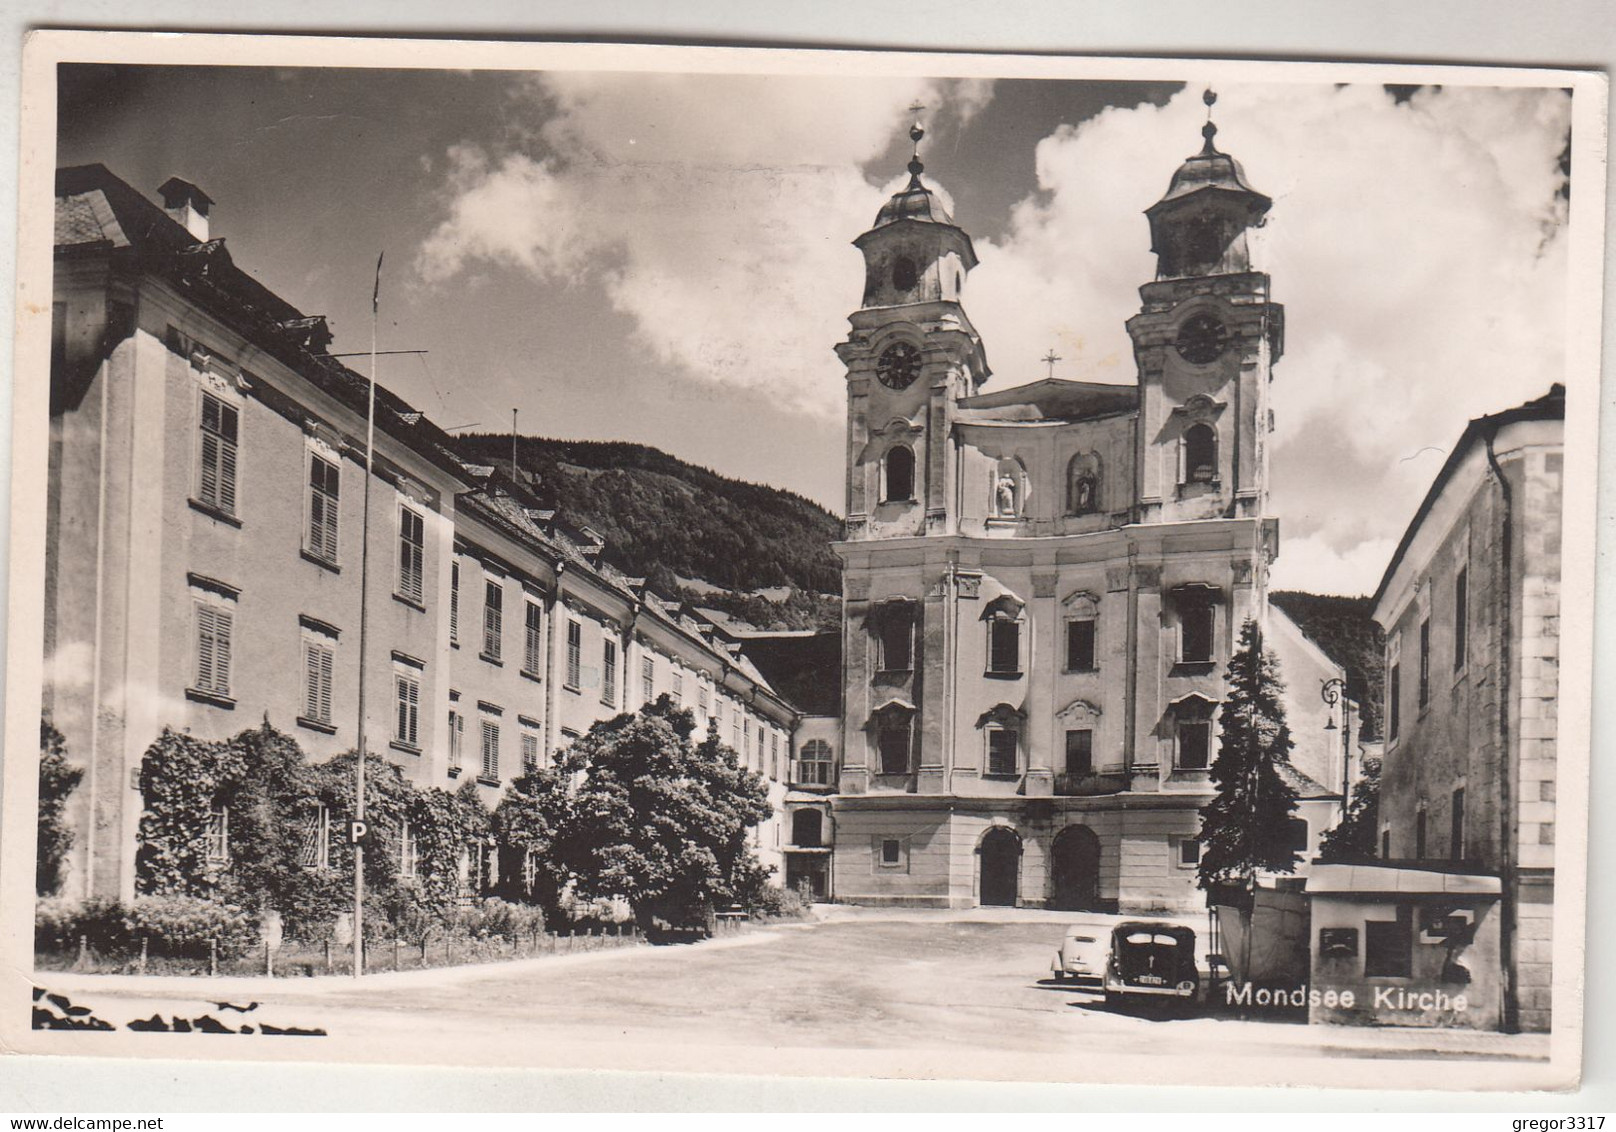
(1550,406)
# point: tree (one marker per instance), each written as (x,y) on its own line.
(57,779)
(656,819)
(1354,839)
(525,824)
(1244,828)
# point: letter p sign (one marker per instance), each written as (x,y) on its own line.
(359,833)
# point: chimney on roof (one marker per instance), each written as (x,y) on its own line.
(187,204)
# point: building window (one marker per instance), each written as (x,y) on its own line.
(746,741)
(457,739)
(1394,700)
(1080,752)
(1456,826)
(904,273)
(608,671)
(1002,750)
(735,731)
(891,852)
(1200,454)
(315,850)
(324,481)
(1194,744)
(454,603)
(1389,946)
(1189,851)
(318,659)
(1385,845)
(407,718)
(533,640)
(530,751)
(1004,645)
(648,678)
(1080,645)
(892,741)
(1425,662)
(214,627)
(490,769)
(702,702)
(575,654)
(216,481)
(409,852)
(411,554)
(1297,827)
(774,755)
(1461,616)
(493,619)
(900,474)
(814,763)
(1195,622)
(807,829)
(217,839)
(1419,834)
(897,638)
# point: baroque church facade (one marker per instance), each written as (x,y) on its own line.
(1043,584)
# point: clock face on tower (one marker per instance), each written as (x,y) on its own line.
(898,365)
(1202,339)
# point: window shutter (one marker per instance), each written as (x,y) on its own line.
(311,680)
(204,648)
(227,477)
(454,601)
(208,487)
(308,854)
(326,657)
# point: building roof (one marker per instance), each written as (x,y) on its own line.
(1305,785)
(1391,880)
(1550,406)
(1210,171)
(98,212)
(1050,399)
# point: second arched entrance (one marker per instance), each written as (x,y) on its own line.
(1001,867)
(1075,870)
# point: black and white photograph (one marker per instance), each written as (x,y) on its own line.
(803,562)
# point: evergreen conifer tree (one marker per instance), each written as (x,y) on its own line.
(1245,828)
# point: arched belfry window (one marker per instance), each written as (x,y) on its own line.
(1200,454)
(1083,484)
(904,274)
(900,473)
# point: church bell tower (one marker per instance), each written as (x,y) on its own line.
(1206,339)
(911,354)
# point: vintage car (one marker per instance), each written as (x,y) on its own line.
(1081,957)
(1151,961)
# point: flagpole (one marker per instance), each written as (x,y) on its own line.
(364,605)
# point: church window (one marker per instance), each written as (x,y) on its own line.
(1297,828)
(894,726)
(1200,454)
(904,274)
(814,764)
(1195,620)
(1080,645)
(806,831)
(897,643)
(900,473)
(1002,750)
(1004,645)
(1194,744)
(1080,752)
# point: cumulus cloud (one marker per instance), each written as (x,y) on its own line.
(1417,248)
(713,209)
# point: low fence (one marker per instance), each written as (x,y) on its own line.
(300,959)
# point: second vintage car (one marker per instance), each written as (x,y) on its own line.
(1151,961)
(1082,953)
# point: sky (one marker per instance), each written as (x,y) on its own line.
(667,258)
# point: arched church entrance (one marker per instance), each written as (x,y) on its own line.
(1075,869)
(1001,867)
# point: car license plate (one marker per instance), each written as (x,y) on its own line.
(1153,980)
